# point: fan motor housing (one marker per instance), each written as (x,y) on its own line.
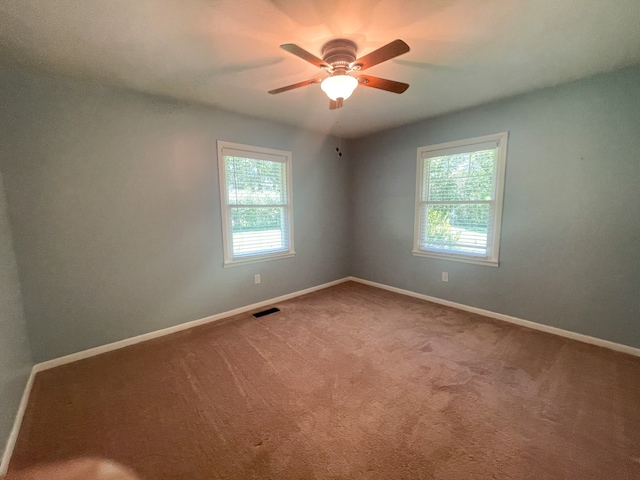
(339,53)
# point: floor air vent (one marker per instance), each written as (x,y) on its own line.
(266,312)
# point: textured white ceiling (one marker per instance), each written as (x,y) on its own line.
(225,52)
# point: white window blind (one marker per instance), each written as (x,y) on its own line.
(257,212)
(459,199)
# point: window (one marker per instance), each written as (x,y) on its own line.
(459,199)
(257,211)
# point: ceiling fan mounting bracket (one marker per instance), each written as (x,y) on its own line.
(339,53)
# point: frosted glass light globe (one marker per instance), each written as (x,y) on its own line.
(339,86)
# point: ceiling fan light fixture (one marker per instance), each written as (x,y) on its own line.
(339,60)
(339,86)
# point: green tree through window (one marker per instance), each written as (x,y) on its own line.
(257,213)
(458,201)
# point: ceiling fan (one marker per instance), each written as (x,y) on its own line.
(339,60)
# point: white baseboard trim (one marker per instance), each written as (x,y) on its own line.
(13,436)
(56,362)
(618,347)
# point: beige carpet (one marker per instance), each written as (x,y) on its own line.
(349,382)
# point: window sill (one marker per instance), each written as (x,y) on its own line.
(457,258)
(257,258)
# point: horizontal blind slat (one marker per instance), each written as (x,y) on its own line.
(468,148)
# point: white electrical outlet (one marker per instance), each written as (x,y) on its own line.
(256,278)
(445,276)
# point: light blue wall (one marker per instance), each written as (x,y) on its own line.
(114,207)
(15,358)
(114,203)
(570,251)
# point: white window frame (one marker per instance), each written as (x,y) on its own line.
(258,153)
(463,146)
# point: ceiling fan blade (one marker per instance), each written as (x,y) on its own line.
(382,84)
(389,51)
(295,85)
(303,54)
